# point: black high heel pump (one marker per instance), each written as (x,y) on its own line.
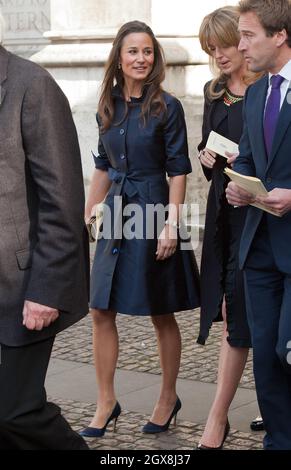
(220,447)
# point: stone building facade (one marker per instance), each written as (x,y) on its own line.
(72,38)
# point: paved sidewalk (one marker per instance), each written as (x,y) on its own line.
(71,383)
(128,436)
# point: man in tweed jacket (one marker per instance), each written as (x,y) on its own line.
(43,249)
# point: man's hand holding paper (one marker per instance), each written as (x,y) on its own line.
(237,196)
(239,190)
(278,200)
(244,190)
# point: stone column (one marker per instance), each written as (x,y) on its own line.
(177,26)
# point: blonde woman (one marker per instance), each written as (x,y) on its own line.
(224,95)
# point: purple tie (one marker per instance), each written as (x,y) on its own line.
(272,112)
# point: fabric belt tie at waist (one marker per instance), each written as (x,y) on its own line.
(127,185)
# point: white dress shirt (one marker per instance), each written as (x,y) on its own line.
(285,85)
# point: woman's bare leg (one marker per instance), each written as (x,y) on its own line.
(105,346)
(231,365)
(169,346)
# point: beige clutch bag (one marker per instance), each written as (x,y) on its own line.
(94,224)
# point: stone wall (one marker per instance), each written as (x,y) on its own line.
(25,23)
(76,44)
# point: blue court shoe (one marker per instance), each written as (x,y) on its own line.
(99,432)
(152,428)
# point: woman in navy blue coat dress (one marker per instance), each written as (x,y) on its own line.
(142,139)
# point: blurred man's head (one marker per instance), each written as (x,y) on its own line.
(1,27)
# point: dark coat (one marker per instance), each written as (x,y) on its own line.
(274,172)
(213,261)
(43,245)
(126,276)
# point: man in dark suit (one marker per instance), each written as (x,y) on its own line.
(43,250)
(265,253)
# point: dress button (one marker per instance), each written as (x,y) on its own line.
(269,180)
(115,251)
(122,131)
(122,156)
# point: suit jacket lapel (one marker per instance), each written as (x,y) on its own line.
(256,124)
(4,56)
(284,122)
(215,119)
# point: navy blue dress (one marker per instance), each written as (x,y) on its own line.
(126,277)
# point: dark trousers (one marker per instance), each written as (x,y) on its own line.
(27,420)
(268,300)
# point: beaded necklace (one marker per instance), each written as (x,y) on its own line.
(229,98)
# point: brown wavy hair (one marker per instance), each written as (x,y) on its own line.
(221,26)
(153,103)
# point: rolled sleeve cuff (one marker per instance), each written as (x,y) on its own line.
(178,165)
(101,163)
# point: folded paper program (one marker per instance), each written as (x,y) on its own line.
(219,144)
(252,185)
